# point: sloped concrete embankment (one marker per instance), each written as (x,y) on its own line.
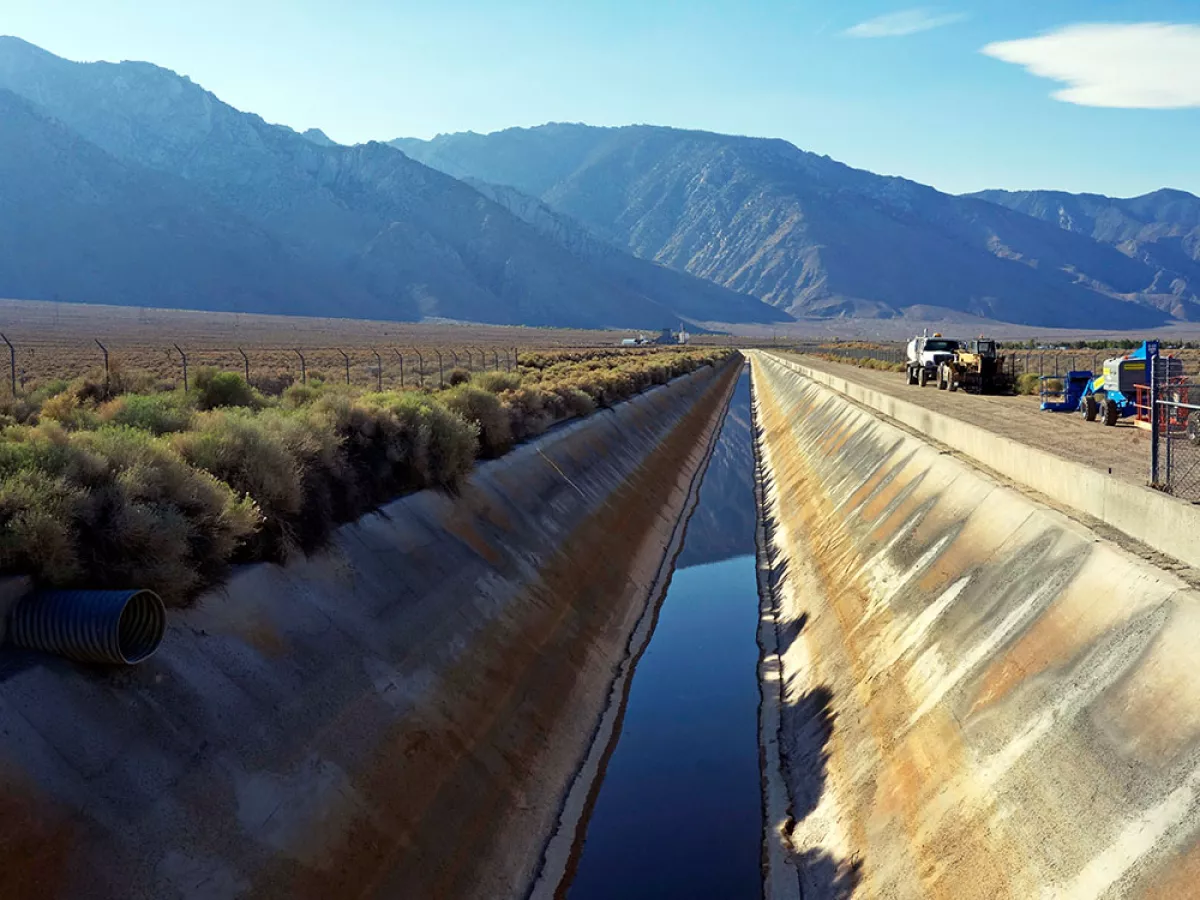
(980,697)
(397,717)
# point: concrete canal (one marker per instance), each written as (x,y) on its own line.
(678,812)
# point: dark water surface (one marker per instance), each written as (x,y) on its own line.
(678,814)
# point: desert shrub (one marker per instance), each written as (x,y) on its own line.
(163,413)
(162,489)
(298,395)
(113,508)
(20,410)
(259,456)
(439,445)
(43,392)
(97,387)
(274,385)
(483,408)
(69,411)
(216,389)
(1029,383)
(496,382)
(527,413)
(458,376)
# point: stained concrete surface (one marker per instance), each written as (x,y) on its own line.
(980,698)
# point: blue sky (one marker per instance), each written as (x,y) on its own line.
(895,87)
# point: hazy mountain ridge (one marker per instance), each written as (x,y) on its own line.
(689,295)
(1160,229)
(75,221)
(407,241)
(805,233)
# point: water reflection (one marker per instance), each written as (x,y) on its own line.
(678,814)
(723,523)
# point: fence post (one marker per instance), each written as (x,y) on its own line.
(455,356)
(401,355)
(12,366)
(378,370)
(183,360)
(441,371)
(103,350)
(420,368)
(1154,420)
(347,361)
(495,360)
(516,358)
(246,363)
(303,367)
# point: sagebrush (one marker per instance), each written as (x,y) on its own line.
(125,481)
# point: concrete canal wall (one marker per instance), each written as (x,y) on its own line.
(397,717)
(978,696)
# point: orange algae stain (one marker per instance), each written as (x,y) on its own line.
(1176,878)
(907,767)
(1086,609)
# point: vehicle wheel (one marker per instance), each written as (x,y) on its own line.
(951,385)
(922,377)
(912,375)
(1192,428)
(1088,408)
(1112,412)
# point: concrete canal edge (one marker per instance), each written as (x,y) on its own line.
(780,876)
(981,698)
(401,715)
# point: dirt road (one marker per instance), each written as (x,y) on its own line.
(1123,450)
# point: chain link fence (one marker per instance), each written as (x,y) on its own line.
(1175,436)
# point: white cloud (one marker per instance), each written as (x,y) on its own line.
(899,24)
(1150,65)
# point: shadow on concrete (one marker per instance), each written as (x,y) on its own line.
(806,727)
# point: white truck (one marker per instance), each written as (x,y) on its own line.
(923,356)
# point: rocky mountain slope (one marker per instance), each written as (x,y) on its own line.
(1161,229)
(690,296)
(807,234)
(75,222)
(401,240)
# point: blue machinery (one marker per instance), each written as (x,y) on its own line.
(1074,383)
(1111,395)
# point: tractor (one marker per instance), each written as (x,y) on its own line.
(977,368)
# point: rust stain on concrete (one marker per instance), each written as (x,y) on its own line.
(36,841)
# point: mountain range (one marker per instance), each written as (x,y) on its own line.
(357,231)
(127,183)
(814,237)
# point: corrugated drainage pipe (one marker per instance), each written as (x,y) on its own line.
(121,627)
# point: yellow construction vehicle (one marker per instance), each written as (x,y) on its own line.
(977,368)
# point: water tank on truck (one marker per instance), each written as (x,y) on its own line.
(924,355)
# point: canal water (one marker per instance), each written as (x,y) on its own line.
(678,813)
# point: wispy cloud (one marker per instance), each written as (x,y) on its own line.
(899,24)
(1149,65)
